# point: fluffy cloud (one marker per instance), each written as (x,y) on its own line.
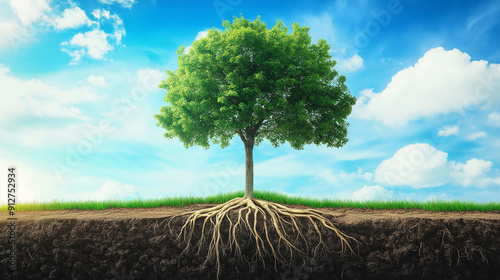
(416,165)
(425,89)
(29,11)
(20,28)
(494,119)
(95,42)
(468,174)
(123,3)
(351,64)
(449,130)
(35,98)
(476,135)
(201,34)
(96,80)
(76,55)
(101,13)
(71,18)
(372,193)
(423,166)
(119,30)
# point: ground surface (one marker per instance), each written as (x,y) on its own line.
(136,244)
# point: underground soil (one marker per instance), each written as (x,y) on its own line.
(138,244)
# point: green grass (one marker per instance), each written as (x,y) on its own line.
(178,201)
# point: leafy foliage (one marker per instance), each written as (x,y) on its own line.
(257,83)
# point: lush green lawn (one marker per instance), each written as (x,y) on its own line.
(436,205)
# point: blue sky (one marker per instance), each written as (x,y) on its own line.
(78,83)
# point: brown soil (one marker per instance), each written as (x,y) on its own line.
(137,244)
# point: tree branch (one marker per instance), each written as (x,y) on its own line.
(257,126)
(242,136)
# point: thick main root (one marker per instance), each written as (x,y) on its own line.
(248,213)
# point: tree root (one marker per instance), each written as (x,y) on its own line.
(249,212)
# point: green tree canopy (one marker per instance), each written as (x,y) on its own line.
(256,83)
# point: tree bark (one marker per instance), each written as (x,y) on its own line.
(249,167)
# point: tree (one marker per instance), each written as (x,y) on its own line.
(256,83)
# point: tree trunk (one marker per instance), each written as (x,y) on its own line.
(249,167)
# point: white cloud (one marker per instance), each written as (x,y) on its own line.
(29,11)
(123,3)
(71,18)
(494,119)
(449,130)
(476,135)
(17,26)
(351,64)
(372,193)
(119,30)
(113,190)
(423,166)
(76,55)
(440,82)
(474,167)
(35,98)
(100,13)
(466,174)
(95,42)
(97,80)
(201,34)
(416,165)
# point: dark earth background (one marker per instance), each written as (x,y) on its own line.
(137,244)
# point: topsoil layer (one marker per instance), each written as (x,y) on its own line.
(137,244)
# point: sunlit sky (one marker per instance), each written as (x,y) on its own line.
(79,88)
